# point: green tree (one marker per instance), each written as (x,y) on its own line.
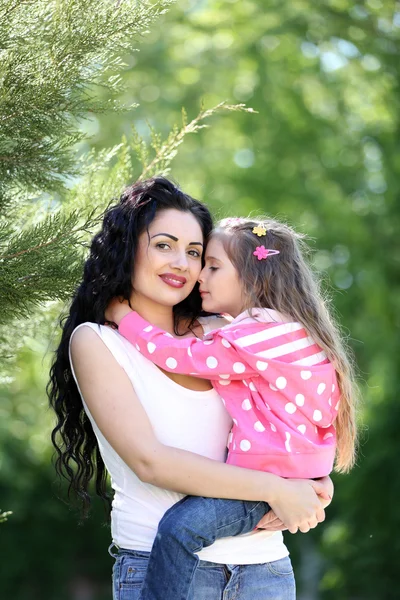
(323,153)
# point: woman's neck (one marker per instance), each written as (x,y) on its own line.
(157,314)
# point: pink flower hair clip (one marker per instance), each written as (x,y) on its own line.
(262,252)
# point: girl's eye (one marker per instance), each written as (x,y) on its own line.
(213,268)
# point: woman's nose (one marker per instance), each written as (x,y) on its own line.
(180,261)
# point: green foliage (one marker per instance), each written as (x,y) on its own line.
(4,515)
(56,57)
(53,56)
(322,152)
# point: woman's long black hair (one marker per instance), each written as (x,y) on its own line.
(108,273)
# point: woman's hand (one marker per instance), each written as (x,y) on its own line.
(116,310)
(270,522)
(296,503)
(328,490)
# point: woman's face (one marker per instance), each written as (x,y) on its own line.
(168,260)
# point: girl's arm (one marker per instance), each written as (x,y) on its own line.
(207,359)
(118,413)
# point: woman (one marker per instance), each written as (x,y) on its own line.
(159,435)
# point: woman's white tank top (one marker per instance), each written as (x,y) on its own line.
(191,420)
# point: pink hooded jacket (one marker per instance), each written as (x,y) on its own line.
(275,382)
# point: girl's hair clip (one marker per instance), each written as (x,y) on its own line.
(260,230)
(262,252)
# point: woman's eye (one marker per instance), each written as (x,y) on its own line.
(195,253)
(162,245)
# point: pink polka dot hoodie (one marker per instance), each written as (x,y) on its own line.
(276,383)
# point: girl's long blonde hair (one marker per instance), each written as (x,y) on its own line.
(287,283)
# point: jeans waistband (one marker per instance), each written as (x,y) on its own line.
(115,551)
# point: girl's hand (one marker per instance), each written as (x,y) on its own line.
(270,522)
(116,310)
(296,503)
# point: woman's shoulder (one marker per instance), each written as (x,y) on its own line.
(89,336)
(86,333)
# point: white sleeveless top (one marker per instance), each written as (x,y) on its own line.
(191,420)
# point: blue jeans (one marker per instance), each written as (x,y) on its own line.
(212,581)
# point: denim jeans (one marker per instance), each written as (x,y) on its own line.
(187,527)
(212,581)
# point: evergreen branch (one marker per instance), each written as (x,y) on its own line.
(166,152)
(35,248)
(4,515)
(40,231)
(49,79)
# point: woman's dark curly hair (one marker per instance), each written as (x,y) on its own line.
(108,273)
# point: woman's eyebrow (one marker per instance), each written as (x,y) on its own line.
(172,237)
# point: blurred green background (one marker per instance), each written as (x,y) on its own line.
(323,152)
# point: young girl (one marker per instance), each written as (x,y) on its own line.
(280,368)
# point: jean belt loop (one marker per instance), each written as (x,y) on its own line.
(110,551)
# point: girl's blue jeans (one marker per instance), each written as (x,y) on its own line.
(174,572)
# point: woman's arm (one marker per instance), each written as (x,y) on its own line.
(120,416)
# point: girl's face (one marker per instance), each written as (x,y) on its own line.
(168,260)
(220,287)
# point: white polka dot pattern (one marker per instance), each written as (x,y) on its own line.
(295,396)
(305,375)
(171,363)
(246,404)
(245,445)
(261,365)
(258,426)
(317,415)
(212,362)
(281,383)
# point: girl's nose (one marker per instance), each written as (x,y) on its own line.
(201,276)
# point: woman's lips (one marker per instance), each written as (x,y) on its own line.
(172,280)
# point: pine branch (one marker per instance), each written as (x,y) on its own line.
(4,515)
(166,152)
(53,56)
